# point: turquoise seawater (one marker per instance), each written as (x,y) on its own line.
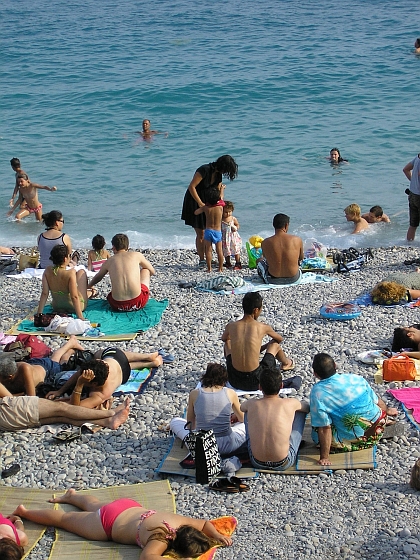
(276,84)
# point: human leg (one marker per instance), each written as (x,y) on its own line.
(85,502)
(22,214)
(286,362)
(138,360)
(86,524)
(414,210)
(177,426)
(64,352)
(56,412)
(82,284)
(219,252)
(411,233)
(209,253)
(199,242)
(296,435)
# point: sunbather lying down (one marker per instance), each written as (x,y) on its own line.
(125,521)
(12,537)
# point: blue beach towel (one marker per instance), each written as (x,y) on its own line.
(137,382)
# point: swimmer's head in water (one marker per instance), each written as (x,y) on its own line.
(146,125)
(376,213)
(15,163)
(335,155)
(352,211)
(417,43)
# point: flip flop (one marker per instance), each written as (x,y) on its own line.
(11,471)
(75,257)
(94,293)
(290,367)
(66,436)
(239,484)
(223,485)
(167,358)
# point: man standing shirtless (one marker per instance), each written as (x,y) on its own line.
(243,340)
(103,375)
(129,272)
(282,253)
(274,426)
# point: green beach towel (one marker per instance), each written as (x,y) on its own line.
(112,322)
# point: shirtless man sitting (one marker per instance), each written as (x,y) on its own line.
(103,375)
(21,413)
(282,253)
(242,349)
(24,377)
(29,192)
(274,426)
(129,272)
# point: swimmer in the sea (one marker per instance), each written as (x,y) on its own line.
(417,45)
(352,213)
(29,192)
(335,157)
(376,215)
(147,133)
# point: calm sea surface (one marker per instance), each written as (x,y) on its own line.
(276,84)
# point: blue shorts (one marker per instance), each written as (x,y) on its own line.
(52,369)
(213,236)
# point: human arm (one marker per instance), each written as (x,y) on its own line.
(27,379)
(67,241)
(385,219)
(74,294)
(89,266)
(44,293)
(190,410)
(236,406)
(94,399)
(200,210)
(226,335)
(69,384)
(99,275)
(390,410)
(43,187)
(415,355)
(269,331)
(144,263)
(408,169)
(192,187)
(15,205)
(18,523)
(301,255)
(235,223)
(4,392)
(325,438)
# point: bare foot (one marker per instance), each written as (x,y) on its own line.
(64,498)
(158,361)
(119,417)
(288,366)
(20,511)
(75,344)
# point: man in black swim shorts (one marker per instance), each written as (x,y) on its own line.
(98,379)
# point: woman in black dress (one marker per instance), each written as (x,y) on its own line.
(205,177)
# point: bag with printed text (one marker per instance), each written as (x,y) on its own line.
(203,448)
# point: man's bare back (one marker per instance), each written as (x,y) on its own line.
(270,422)
(283,252)
(245,338)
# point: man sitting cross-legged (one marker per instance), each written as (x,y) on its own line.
(20,413)
(24,377)
(243,341)
(103,375)
(346,414)
(274,426)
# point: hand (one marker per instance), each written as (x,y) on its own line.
(392,411)
(233,228)
(227,541)
(11,202)
(233,418)
(14,518)
(85,377)
(52,395)
(324,462)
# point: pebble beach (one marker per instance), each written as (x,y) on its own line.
(350,514)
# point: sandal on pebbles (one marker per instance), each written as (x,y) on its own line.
(232,486)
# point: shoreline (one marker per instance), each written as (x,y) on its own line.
(350,514)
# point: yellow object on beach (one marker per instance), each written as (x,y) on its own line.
(256,241)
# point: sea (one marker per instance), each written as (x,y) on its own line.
(274,83)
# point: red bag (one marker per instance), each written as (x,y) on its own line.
(399,368)
(38,348)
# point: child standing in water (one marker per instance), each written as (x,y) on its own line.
(98,255)
(231,241)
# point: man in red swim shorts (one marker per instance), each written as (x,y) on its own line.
(129,272)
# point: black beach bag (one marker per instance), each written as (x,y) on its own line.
(202,445)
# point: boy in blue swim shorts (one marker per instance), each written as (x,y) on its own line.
(213,211)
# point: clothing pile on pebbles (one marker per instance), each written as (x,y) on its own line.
(350,514)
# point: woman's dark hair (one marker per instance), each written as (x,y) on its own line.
(185,542)
(10,550)
(58,254)
(227,166)
(401,340)
(50,218)
(215,376)
(340,159)
(98,242)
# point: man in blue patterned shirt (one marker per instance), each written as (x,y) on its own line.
(345,412)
